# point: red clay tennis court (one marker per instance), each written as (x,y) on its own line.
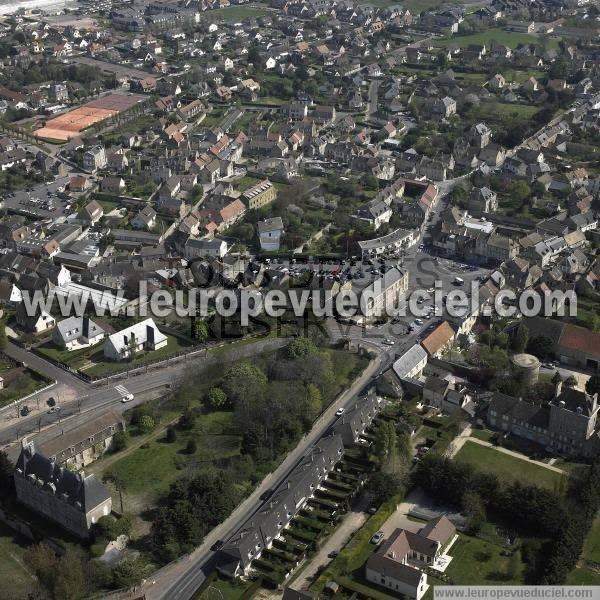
(72,123)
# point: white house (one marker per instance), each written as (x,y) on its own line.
(196,248)
(143,336)
(77,332)
(269,233)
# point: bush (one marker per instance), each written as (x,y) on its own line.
(192,447)
(147,424)
(119,442)
(171,435)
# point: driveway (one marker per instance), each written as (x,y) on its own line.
(352,522)
(399,518)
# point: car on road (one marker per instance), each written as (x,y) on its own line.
(389,342)
(333,554)
(54,409)
(419,322)
(372,510)
(377,538)
(340,411)
(267,494)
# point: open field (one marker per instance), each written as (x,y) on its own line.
(150,469)
(507,468)
(415,6)
(236,13)
(477,561)
(13,573)
(508,38)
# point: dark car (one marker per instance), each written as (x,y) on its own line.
(217,545)
(266,495)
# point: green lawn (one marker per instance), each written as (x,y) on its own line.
(14,577)
(506,467)
(236,13)
(102,367)
(583,576)
(224,590)
(591,548)
(508,38)
(477,561)
(74,358)
(482,434)
(412,5)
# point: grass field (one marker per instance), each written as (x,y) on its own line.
(506,467)
(477,561)
(508,38)
(236,13)
(14,577)
(150,470)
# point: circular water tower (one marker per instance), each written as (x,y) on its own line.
(526,368)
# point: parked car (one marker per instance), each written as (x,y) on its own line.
(340,411)
(217,545)
(377,538)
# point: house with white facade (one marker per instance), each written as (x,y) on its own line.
(77,332)
(140,337)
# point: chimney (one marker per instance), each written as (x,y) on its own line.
(150,336)
(85,328)
(579,410)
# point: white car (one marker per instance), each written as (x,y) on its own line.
(377,537)
(419,321)
(389,342)
(340,411)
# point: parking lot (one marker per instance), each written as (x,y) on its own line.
(42,201)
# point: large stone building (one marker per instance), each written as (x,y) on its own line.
(259,195)
(383,295)
(72,500)
(78,447)
(566,424)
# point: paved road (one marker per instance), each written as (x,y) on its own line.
(80,398)
(373,94)
(181,580)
